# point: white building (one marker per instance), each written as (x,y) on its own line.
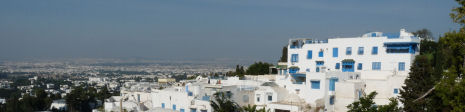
(58,104)
(335,72)
(319,76)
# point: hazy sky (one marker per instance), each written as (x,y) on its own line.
(199,29)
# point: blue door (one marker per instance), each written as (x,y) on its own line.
(332,83)
(348,66)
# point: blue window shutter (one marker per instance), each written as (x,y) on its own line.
(295,58)
(315,84)
(335,52)
(309,54)
(374,50)
(331,100)
(320,54)
(359,67)
(401,66)
(396,91)
(293,70)
(359,93)
(360,50)
(376,66)
(349,51)
(332,84)
(338,65)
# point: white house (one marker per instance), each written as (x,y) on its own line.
(376,61)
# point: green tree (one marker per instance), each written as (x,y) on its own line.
(80,99)
(223,103)
(103,94)
(249,108)
(424,33)
(451,88)
(427,45)
(366,104)
(41,101)
(458,14)
(13,104)
(283,55)
(420,80)
(259,68)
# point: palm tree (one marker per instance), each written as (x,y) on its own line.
(253,108)
(223,103)
(249,108)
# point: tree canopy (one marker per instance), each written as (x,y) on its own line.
(259,68)
(366,104)
(223,103)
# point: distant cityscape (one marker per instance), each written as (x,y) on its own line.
(232,56)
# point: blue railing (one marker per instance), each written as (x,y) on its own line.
(205,98)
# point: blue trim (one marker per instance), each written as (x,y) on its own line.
(298,75)
(360,50)
(401,43)
(331,100)
(332,83)
(309,54)
(347,66)
(349,51)
(359,94)
(320,63)
(401,47)
(392,35)
(376,66)
(205,98)
(401,66)
(315,84)
(294,57)
(373,34)
(335,52)
(293,47)
(374,50)
(293,70)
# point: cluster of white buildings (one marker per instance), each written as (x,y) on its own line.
(320,75)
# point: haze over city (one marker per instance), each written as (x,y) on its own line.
(232,56)
(199,30)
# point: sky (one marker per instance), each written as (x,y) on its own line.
(200,29)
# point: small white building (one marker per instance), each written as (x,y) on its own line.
(58,104)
